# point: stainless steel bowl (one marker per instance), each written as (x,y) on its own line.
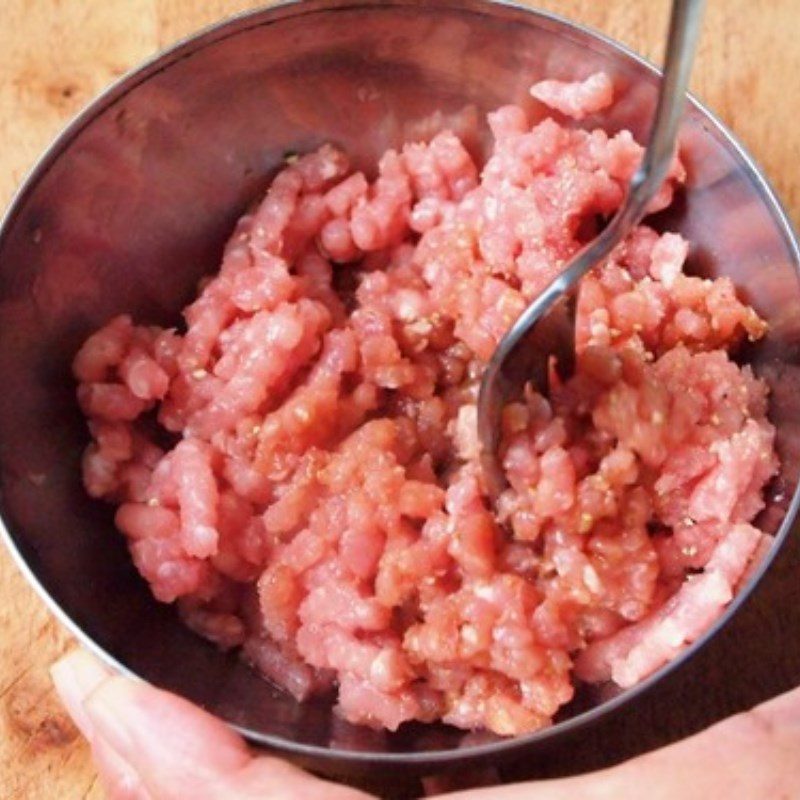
(133,203)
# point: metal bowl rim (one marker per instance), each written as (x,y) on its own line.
(285,9)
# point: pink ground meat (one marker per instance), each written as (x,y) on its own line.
(314,496)
(576,99)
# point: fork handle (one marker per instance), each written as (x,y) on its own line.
(684,30)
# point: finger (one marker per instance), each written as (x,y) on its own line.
(150,745)
(120,779)
(179,751)
(174,748)
(753,754)
(782,711)
(75,676)
(750,755)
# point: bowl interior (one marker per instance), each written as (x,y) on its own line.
(133,205)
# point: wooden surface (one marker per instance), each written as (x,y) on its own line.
(55,55)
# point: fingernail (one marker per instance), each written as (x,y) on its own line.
(75,677)
(113,711)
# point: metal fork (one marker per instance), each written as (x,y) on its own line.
(547,326)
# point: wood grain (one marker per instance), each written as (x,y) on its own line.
(55,55)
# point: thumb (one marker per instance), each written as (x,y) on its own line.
(153,745)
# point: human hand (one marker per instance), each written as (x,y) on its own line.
(151,745)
